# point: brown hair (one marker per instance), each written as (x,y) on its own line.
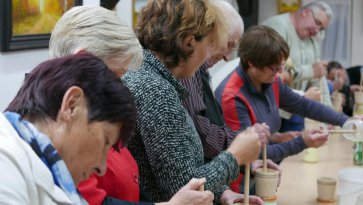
(262,46)
(164,24)
(108,99)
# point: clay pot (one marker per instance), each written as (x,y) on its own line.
(311,155)
(337,101)
(326,189)
(266,183)
(358,97)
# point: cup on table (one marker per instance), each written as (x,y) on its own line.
(266,184)
(326,189)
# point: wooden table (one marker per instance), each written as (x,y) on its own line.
(299,179)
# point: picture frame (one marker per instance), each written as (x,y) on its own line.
(284,6)
(137,5)
(30,26)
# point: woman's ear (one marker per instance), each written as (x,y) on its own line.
(189,42)
(250,65)
(72,100)
(79,50)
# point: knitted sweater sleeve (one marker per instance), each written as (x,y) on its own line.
(172,145)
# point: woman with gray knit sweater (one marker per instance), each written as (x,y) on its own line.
(175,35)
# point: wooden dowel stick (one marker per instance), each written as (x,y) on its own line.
(201,188)
(264,158)
(343,131)
(321,85)
(247,184)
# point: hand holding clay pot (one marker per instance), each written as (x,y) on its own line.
(229,198)
(270,164)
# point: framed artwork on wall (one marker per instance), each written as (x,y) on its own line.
(26,24)
(288,5)
(137,5)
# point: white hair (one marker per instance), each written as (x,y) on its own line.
(320,6)
(234,20)
(98,31)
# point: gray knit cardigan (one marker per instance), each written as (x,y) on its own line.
(166,146)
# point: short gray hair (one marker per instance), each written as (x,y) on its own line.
(320,6)
(98,31)
(231,15)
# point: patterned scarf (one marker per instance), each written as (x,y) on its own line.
(43,147)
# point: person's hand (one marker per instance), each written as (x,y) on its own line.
(328,126)
(338,84)
(315,137)
(189,194)
(319,69)
(270,164)
(229,198)
(355,117)
(246,146)
(286,77)
(263,132)
(280,137)
(313,93)
(354,88)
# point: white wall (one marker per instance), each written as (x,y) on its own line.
(124,10)
(357,33)
(266,9)
(13,65)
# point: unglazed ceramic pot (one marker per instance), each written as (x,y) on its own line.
(266,183)
(326,189)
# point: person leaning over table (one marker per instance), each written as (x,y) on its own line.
(166,145)
(253,93)
(58,129)
(119,48)
(338,77)
(201,104)
(303,31)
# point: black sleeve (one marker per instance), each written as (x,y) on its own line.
(114,201)
(109,4)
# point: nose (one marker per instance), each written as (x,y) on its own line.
(102,167)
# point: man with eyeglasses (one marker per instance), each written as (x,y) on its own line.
(303,31)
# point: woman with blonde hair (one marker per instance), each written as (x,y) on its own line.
(175,35)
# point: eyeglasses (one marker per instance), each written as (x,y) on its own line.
(276,69)
(317,21)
